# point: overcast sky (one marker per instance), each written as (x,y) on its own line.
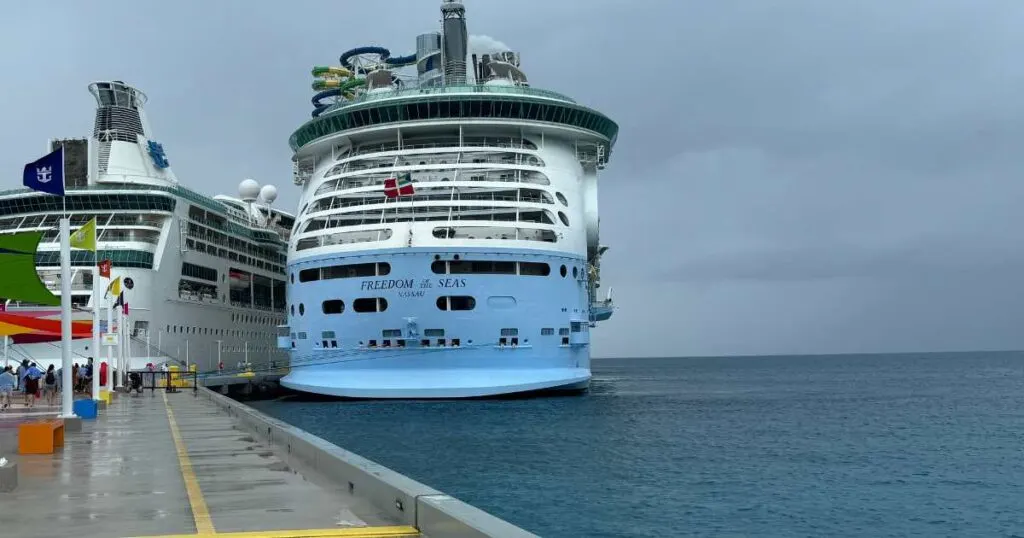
(790,177)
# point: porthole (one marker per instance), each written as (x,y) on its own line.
(562,271)
(302,309)
(561,198)
(563,218)
(293,278)
(575,272)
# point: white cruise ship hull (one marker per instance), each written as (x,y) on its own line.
(405,382)
(524,332)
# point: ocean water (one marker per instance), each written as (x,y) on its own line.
(872,445)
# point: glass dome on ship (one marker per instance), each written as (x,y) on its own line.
(446,243)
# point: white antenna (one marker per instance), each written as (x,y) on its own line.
(249,192)
(267,195)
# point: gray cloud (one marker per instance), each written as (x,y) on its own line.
(791,175)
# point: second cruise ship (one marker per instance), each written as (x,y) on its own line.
(204,275)
(446,243)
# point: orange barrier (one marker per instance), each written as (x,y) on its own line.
(41,437)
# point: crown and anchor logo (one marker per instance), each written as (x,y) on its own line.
(44,174)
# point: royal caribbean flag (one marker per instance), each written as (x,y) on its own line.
(46,174)
(85,237)
(19,280)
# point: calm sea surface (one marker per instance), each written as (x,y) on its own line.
(879,445)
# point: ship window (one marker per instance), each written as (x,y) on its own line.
(534,269)
(333,306)
(547,331)
(489,267)
(563,218)
(455,342)
(198,271)
(302,336)
(562,271)
(457,302)
(358,270)
(309,275)
(565,340)
(575,272)
(327,334)
(425,342)
(577,326)
(363,305)
(561,198)
(510,332)
(391,333)
(563,331)
(433,332)
(302,309)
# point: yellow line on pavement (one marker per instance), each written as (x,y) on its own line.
(200,513)
(351,532)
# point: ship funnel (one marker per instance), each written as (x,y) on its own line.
(453,41)
(118,112)
(121,149)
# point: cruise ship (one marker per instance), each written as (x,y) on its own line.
(446,243)
(204,277)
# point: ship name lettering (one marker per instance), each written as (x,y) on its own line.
(414,293)
(386,284)
(451,283)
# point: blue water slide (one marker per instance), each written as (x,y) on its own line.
(319,107)
(402,60)
(383,52)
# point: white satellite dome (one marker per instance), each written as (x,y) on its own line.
(248,190)
(268,194)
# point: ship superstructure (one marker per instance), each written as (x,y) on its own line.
(447,240)
(204,276)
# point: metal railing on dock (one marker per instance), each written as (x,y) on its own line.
(169,381)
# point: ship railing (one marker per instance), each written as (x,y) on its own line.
(457,89)
(434,160)
(497,143)
(441,197)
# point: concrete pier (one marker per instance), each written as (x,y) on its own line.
(197,463)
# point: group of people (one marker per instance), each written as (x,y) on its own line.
(34,383)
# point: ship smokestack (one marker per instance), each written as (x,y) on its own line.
(118,112)
(454,41)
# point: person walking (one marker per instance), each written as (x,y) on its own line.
(8,382)
(30,383)
(22,368)
(50,386)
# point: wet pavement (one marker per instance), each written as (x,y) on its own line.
(166,464)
